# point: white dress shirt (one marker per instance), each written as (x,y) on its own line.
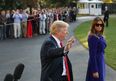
(64,67)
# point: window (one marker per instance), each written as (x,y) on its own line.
(98,5)
(81,5)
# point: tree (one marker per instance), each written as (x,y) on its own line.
(114,1)
(55,3)
(107,1)
(13,4)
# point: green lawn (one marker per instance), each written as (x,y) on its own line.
(81,33)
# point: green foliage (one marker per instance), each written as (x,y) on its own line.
(84,27)
(13,4)
(111,43)
(56,3)
(60,2)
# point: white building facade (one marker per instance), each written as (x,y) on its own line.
(91,7)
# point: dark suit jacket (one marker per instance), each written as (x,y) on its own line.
(106,15)
(52,61)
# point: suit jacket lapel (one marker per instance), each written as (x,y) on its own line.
(54,41)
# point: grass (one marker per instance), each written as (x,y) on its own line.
(81,33)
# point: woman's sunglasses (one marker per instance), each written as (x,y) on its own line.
(101,25)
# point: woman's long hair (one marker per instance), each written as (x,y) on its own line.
(92,29)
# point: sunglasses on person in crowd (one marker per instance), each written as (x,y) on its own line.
(101,25)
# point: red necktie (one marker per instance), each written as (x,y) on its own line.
(66,64)
(61,44)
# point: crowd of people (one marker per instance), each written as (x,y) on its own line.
(23,23)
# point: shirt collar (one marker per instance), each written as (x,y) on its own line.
(57,40)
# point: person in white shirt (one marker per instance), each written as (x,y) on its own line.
(17,24)
(42,23)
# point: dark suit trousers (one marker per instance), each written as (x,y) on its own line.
(64,78)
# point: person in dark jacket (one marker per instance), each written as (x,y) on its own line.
(3,25)
(55,64)
(106,16)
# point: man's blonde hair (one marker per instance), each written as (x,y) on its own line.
(57,25)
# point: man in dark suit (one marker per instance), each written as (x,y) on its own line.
(106,16)
(53,54)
